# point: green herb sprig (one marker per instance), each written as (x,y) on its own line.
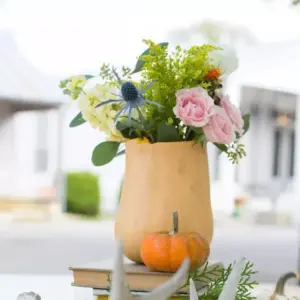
(214,287)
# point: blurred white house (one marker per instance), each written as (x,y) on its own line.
(28,124)
(267,86)
(37,146)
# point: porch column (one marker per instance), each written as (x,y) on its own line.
(296,181)
(7,155)
(60,175)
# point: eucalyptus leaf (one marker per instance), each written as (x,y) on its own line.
(167,133)
(104,153)
(221,147)
(246,126)
(246,119)
(78,120)
(140,63)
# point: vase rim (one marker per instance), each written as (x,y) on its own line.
(164,145)
(133,141)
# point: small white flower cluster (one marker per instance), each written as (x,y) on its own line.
(76,82)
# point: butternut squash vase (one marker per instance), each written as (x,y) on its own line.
(159,179)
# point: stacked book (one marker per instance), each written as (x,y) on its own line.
(140,279)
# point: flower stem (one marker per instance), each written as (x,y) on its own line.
(143,123)
(174,223)
(189,129)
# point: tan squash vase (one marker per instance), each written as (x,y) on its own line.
(159,179)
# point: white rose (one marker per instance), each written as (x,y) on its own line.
(225,59)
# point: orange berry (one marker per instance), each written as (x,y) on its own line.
(213,74)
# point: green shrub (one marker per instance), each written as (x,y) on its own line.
(83,195)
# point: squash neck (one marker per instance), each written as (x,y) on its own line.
(279,289)
(174,224)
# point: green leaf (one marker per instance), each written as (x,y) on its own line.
(104,153)
(221,147)
(201,139)
(129,133)
(140,63)
(246,119)
(78,120)
(126,123)
(167,133)
(129,128)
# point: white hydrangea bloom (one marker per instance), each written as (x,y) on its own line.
(101,118)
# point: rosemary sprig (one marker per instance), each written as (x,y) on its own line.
(246,284)
(214,279)
(205,275)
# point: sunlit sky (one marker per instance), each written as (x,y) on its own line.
(69,36)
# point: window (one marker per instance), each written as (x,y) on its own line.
(41,151)
(277,145)
(292,153)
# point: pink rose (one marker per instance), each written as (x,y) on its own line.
(194,106)
(220,128)
(234,114)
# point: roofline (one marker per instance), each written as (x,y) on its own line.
(21,103)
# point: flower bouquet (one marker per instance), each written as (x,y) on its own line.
(164,111)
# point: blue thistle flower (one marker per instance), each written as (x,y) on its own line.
(132,98)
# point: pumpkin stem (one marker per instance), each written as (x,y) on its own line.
(175,223)
(279,289)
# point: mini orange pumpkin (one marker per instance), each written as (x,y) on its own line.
(165,252)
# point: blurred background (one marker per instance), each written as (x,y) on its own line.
(56,208)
